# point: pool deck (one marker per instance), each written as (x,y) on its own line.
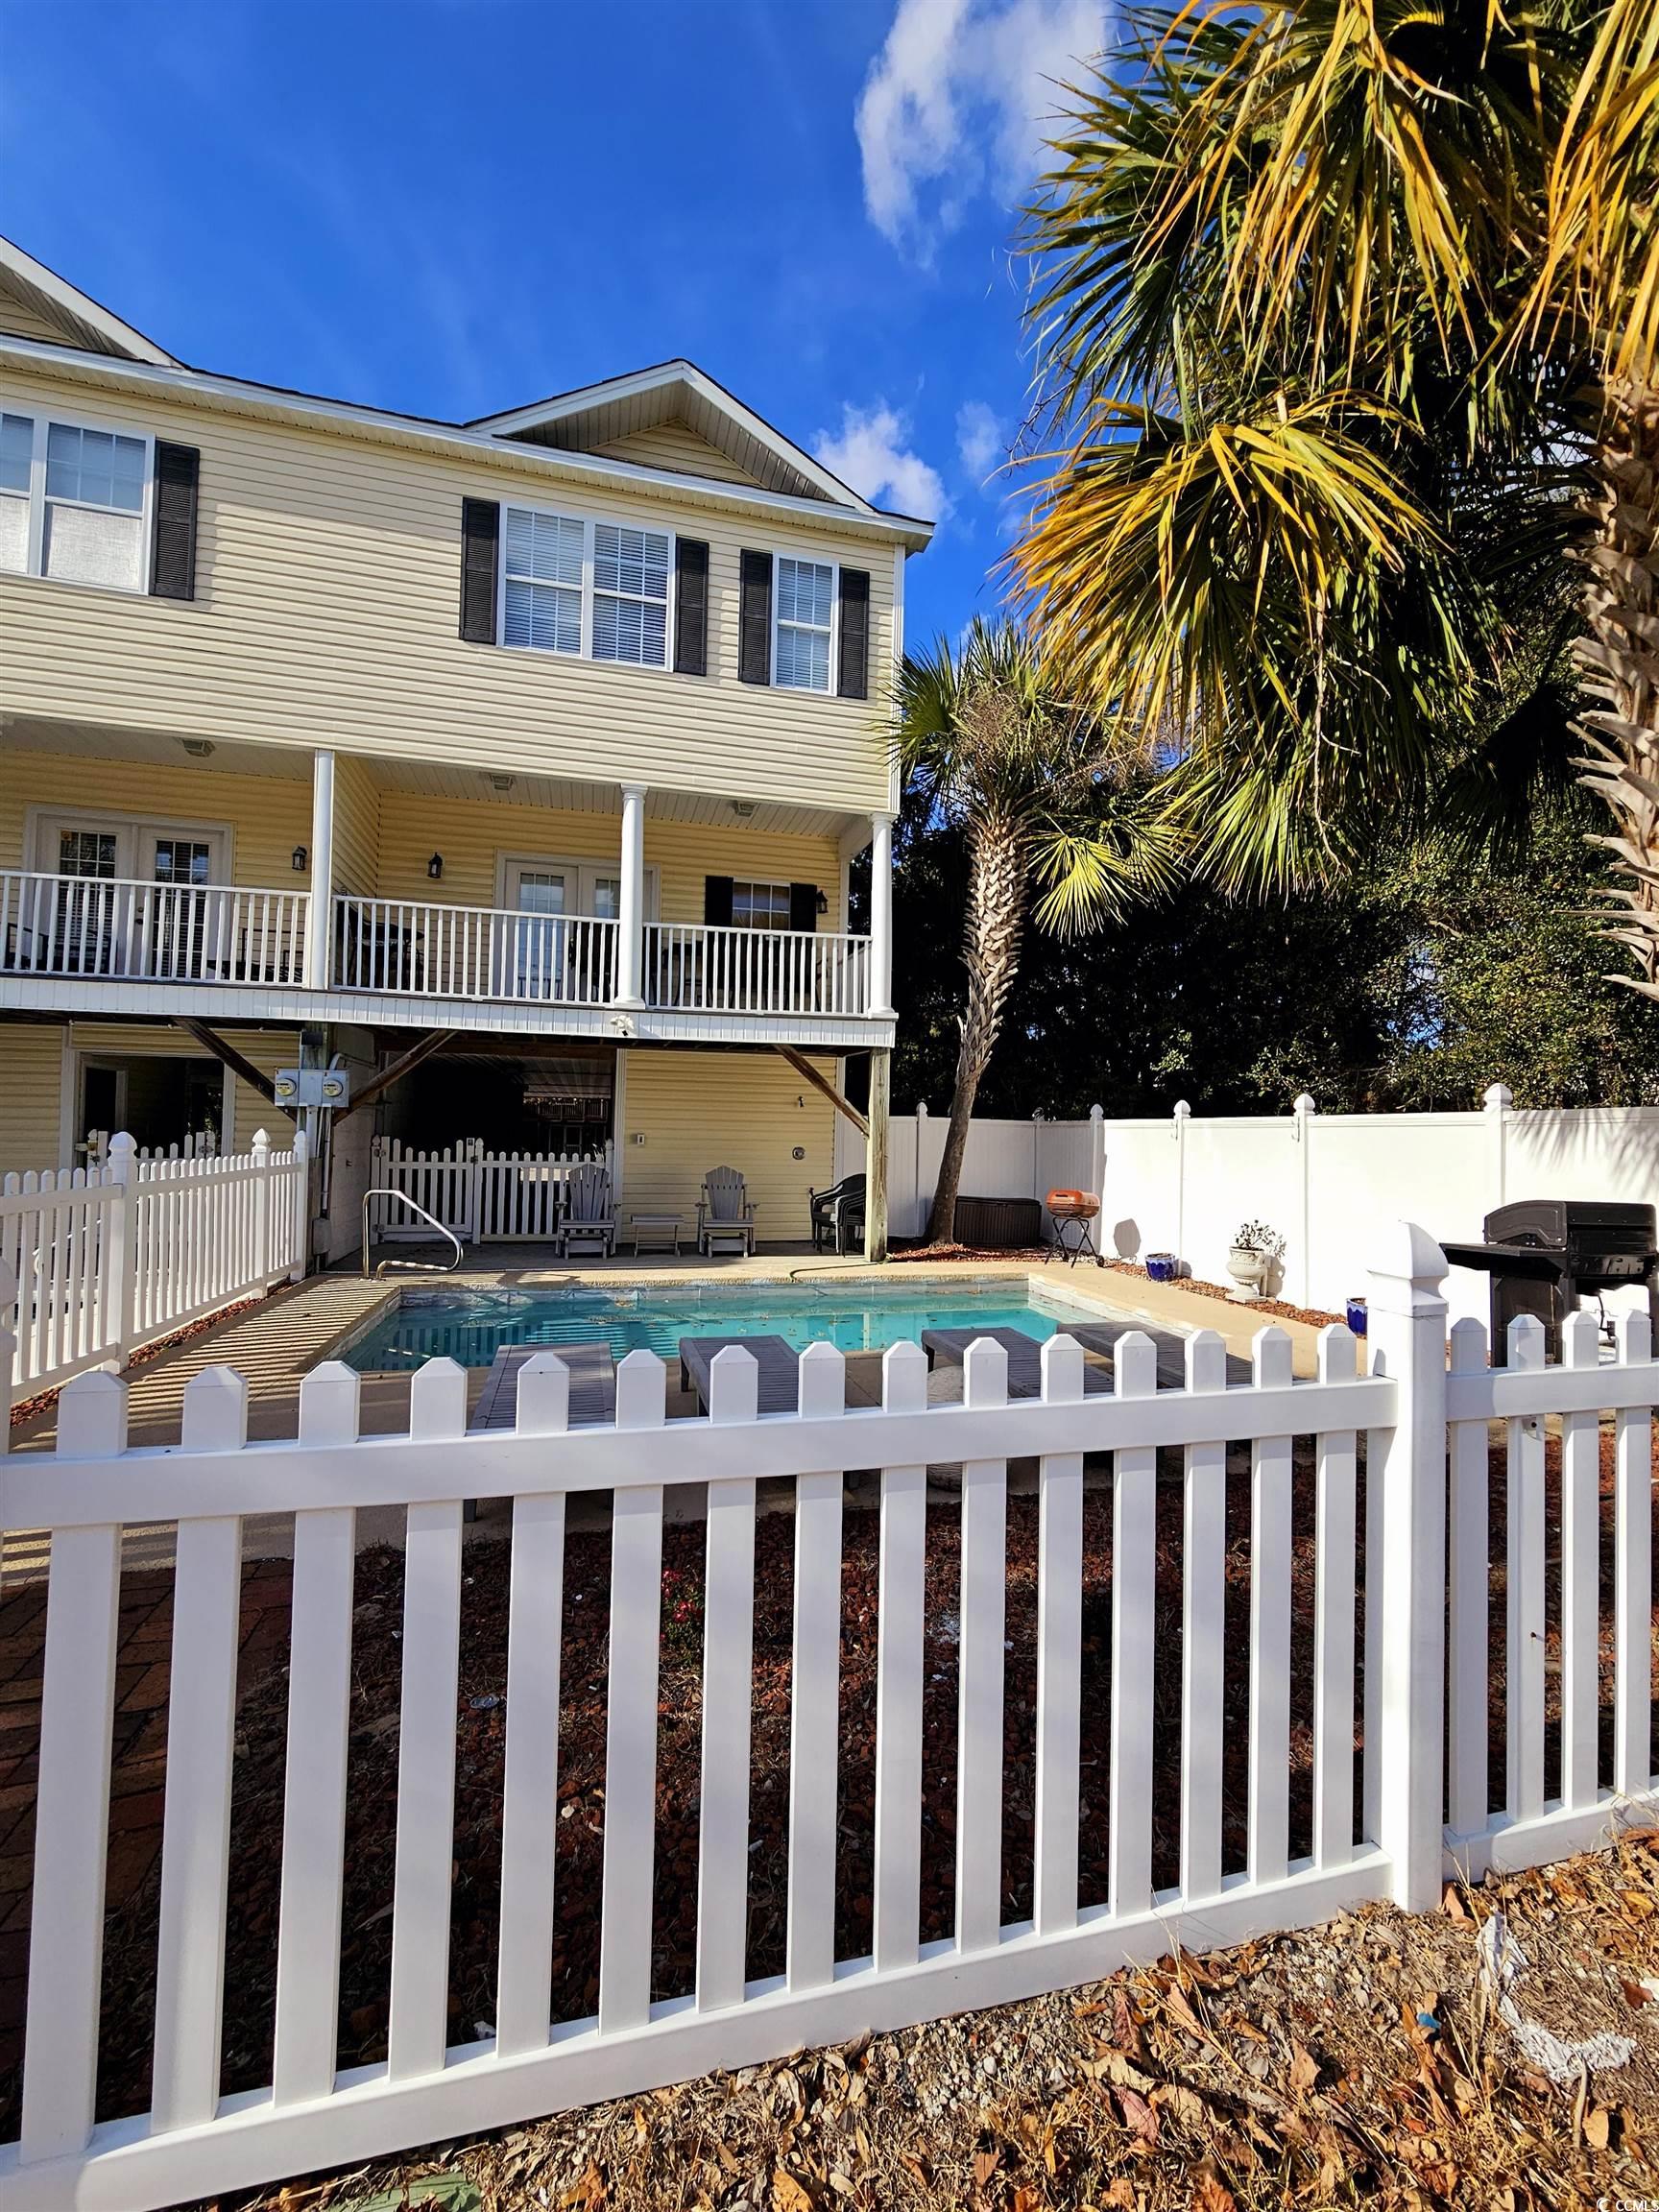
(275,1343)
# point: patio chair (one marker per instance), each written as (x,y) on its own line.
(725,1218)
(837,1214)
(589,1217)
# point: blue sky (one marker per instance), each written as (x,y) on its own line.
(453,207)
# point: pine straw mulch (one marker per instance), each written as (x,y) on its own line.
(1361,2062)
(43,1400)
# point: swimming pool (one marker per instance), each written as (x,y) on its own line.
(471,1326)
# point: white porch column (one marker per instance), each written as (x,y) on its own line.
(319,922)
(881,914)
(631,909)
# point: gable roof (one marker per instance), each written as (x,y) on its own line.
(53,300)
(598,415)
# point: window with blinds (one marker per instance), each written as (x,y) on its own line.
(803,617)
(544,570)
(593,588)
(630,595)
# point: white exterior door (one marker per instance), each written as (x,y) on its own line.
(541,896)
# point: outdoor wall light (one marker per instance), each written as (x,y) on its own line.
(435,866)
(299,860)
(822,903)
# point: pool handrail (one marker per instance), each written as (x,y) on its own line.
(403,1198)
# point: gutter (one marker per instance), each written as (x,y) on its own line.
(412,433)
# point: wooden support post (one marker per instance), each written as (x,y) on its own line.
(876,1158)
(211,1042)
(805,1069)
(389,1075)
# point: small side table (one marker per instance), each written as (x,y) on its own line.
(659,1231)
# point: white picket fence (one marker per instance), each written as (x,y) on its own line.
(1330,1184)
(106,1257)
(1420,1813)
(481,1197)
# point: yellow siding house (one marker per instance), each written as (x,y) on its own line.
(513,768)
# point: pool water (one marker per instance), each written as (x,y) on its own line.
(471,1326)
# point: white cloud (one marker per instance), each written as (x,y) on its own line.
(869,454)
(959,100)
(979,440)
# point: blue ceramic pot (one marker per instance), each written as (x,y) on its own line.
(1357,1316)
(1161,1267)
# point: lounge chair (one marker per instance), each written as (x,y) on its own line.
(778,1386)
(725,1218)
(948,1347)
(838,1214)
(589,1217)
(593,1384)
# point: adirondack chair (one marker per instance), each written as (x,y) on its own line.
(589,1217)
(725,1218)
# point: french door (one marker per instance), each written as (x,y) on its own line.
(550,952)
(105,919)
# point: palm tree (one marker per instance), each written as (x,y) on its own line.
(1057,830)
(1348,309)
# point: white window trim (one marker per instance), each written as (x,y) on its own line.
(585,651)
(42,414)
(808,690)
(572,865)
(41,825)
(765,882)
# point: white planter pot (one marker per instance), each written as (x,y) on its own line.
(1249,1270)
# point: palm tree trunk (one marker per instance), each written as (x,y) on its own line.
(1620,665)
(991,941)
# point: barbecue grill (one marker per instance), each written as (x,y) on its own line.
(1073,1210)
(1545,1254)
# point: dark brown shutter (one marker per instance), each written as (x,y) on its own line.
(804,906)
(480,547)
(690,606)
(173,547)
(717,902)
(853,662)
(755,619)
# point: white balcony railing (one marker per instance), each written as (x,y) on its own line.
(149,932)
(211,933)
(417,950)
(756,971)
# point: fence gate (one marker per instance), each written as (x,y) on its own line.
(481,1197)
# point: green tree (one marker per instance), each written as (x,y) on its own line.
(1413,983)
(1346,308)
(1052,831)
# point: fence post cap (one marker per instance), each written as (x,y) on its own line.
(1408,1270)
(921,1109)
(1183,1112)
(1303,1103)
(1096,1113)
(261,1140)
(1497,1096)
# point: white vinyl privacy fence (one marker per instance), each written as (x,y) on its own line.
(1330,1184)
(108,1257)
(1390,1455)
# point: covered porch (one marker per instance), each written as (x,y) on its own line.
(270,881)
